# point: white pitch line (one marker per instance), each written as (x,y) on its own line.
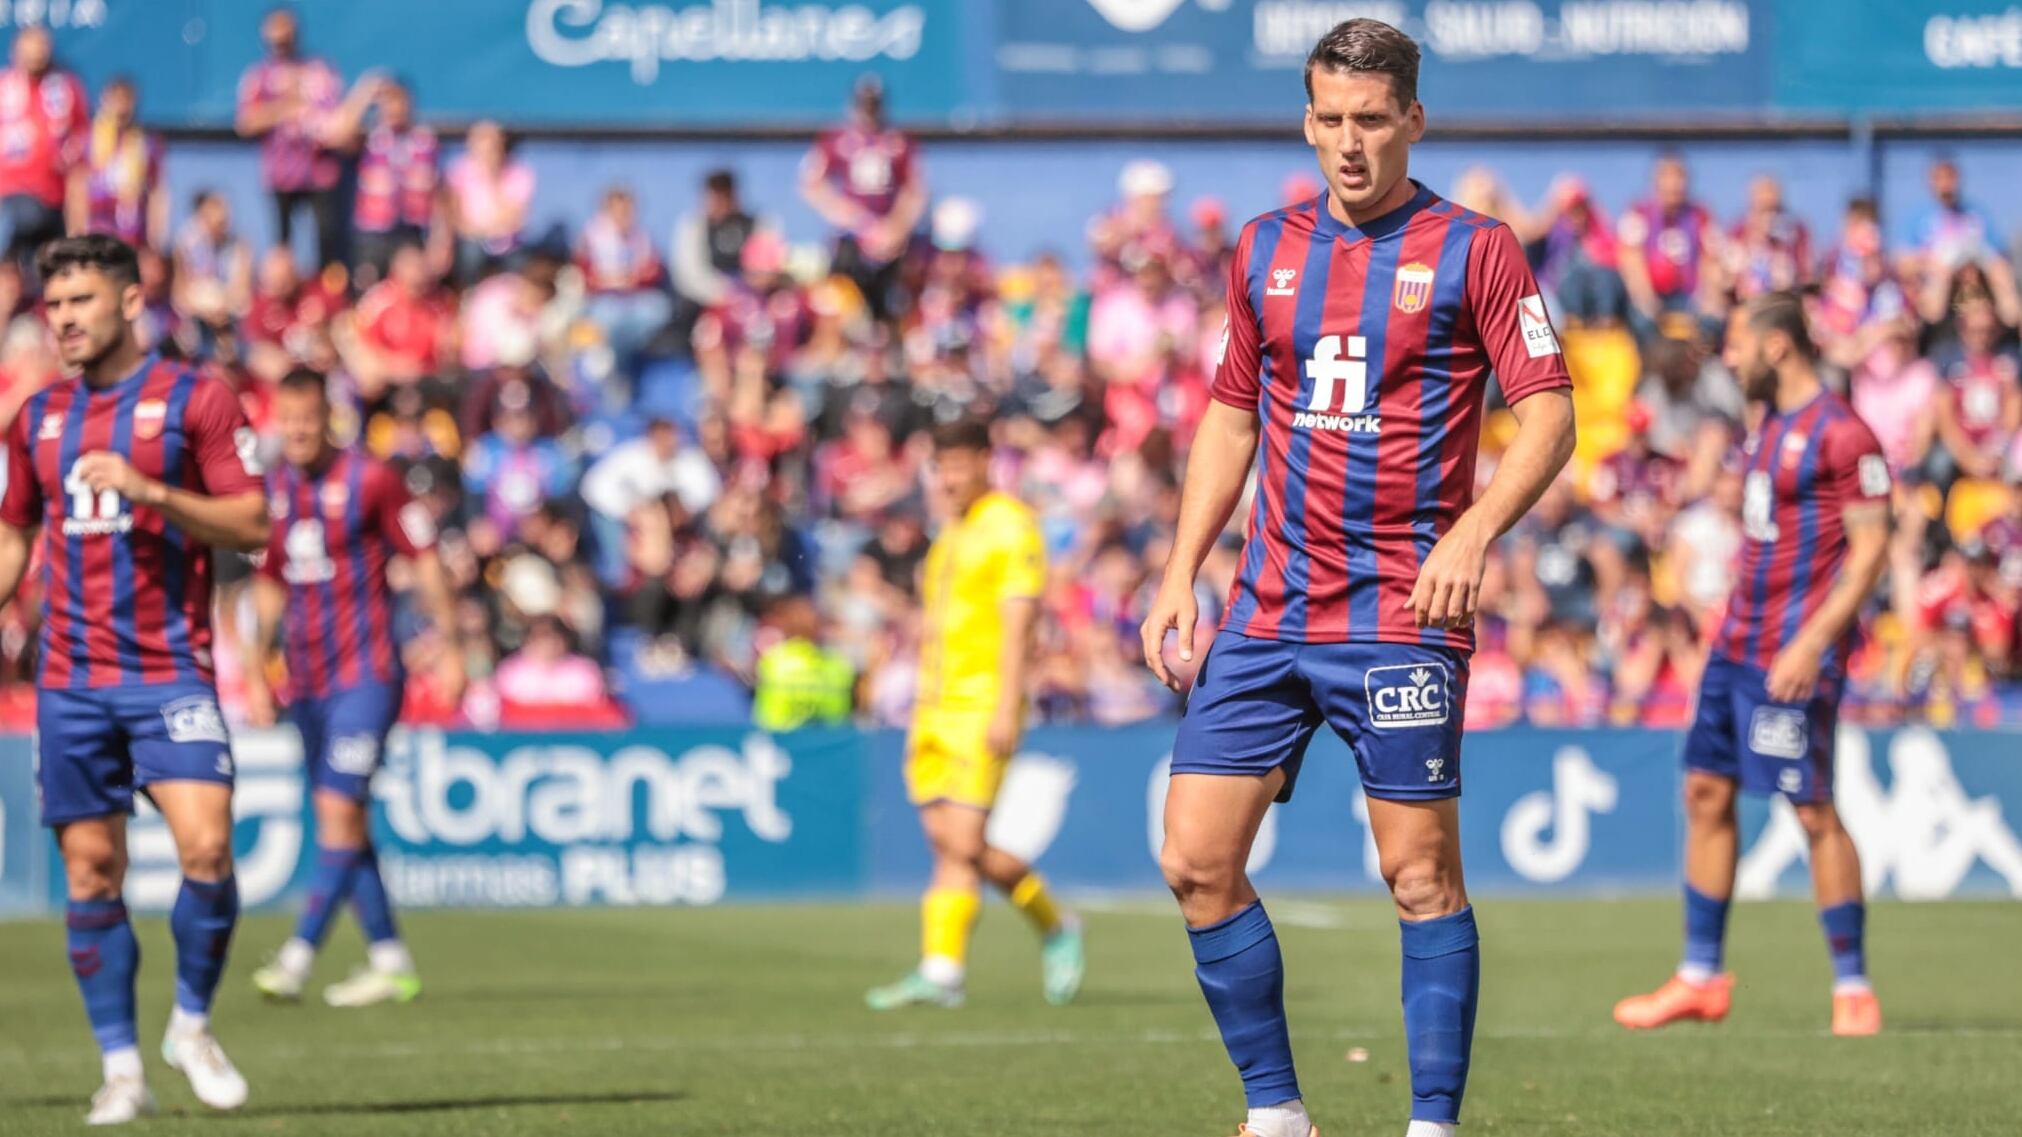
(16,1056)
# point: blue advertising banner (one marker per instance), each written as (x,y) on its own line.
(1894,56)
(659,817)
(1243,59)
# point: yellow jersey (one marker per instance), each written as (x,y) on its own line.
(994,553)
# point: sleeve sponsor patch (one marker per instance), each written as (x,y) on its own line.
(1874,475)
(1539,339)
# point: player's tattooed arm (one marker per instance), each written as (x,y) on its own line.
(270,600)
(238,521)
(1217,466)
(1449,582)
(15,547)
(1793,674)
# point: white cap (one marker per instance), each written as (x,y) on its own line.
(530,583)
(956,220)
(1144,176)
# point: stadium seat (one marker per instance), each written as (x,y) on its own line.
(1605,367)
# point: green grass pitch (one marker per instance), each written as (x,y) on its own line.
(749,1020)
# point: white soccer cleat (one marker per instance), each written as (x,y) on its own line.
(369,986)
(213,1078)
(279,984)
(119,1101)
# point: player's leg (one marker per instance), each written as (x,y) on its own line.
(1061,952)
(1835,870)
(283,977)
(85,784)
(1418,852)
(1698,988)
(182,756)
(1248,721)
(948,909)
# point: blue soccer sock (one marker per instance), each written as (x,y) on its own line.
(329,886)
(1243,976)
(1705,935)
(368,893)
(1442,982)
(202,921)
(105,958)
(1845,929)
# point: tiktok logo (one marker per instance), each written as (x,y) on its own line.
(1579,789)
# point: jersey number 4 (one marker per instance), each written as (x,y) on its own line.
(1340,384)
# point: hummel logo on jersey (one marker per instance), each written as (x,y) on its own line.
(1340,388)
(1281,282)
(52,427)
(1407,695)
(1432,767)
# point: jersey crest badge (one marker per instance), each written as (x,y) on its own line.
(1414,288)
(149,416)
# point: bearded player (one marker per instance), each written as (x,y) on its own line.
(1815,534)
(133,469)
(1362,328)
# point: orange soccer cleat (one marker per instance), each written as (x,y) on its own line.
(1676,1000)
(1856,1014)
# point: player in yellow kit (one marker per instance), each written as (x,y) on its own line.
(980,587)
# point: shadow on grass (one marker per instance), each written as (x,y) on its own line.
(451,1105)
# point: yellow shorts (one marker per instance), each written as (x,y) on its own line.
(947,759)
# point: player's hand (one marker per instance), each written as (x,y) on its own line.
(1793,674)
(1001,736)
(1449,582)
(260,709)
(103,471)
(1175,609)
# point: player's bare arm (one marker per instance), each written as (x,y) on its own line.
(1793,674)
(438,603)
(238,521)
(16,545)
(1020,616)
(1224,446)
(270,602)
(1449,582)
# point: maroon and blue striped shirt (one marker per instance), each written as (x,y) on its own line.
(1804,468)
(1366,351)
(129,595)
(335,530)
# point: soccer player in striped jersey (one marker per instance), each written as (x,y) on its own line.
(133,469)
(1362,328)
(340,518)
(1815,534)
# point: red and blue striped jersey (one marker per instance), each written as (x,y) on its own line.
(335,530)
(129,595)
(1365,351)
(1804,468)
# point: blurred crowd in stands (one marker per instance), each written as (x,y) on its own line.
(669,467)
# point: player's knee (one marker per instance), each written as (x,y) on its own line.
(1423,884)
(1709,801)
(1821,821)
(94,870)
(206,857)
(1189,873)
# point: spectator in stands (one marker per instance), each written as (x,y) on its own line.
(399,198)
(489,195)
(122,192)
(286,101)
(1769,249)
(548,683)
(511,471)
(213,268)
(1705,542)
(1138,227)
(629,485)
(45,119)
(799,683)
(1950,230)
(864,179)
(763,312)
(1979,408)
(1857,289)
(404,328)
(1576,256)
(623,277)
(1694,404)
(1892,389)
(1211,251)
(708,247)
(286,314)
(521,315)
(1670,249)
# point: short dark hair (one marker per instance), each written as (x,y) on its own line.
(1783,311)
(1370,46)
(961,434)
(99,251)
(720,181)
(303,380)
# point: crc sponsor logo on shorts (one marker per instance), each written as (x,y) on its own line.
(1408,695)
(355,754)
(195,719)
(1779,732)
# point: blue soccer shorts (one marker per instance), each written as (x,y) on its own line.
(344,735)
(93,746)
(1256,704)
(1741,734)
